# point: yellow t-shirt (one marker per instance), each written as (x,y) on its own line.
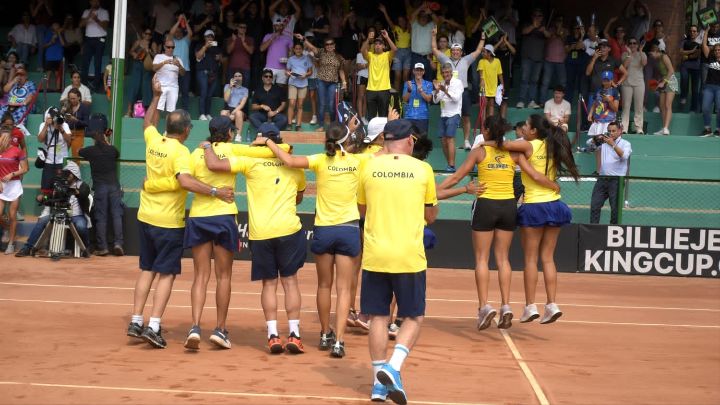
(395,189)
(402,37)
(378,71)
(164,157)
(271,191)
(337,182)
(490,72)
(535,193)
(496,172)
(436,63)
(205,205)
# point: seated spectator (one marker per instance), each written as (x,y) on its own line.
(491,76)
(168,68)
(614,154)
(76,115)
(19,94)
(7,68)
(23,38)
(236,97)
(299,68)
(667,84)
(207,56)
(604,108)
(53,44)
(268,103)
(558,110)
(76,83)
(417,93)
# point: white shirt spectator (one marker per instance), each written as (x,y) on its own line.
(557,111)
(56,145)
(24,35)
(361,61)
(450,102)
(610,163)
(84,92)
(93,29)
(168,74)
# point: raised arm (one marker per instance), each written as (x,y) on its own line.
(308,45)
(390,42)
(433,44)
(273,7)
(366,45)
(151,116)
(383,10)
(537,177)
(606,30)
(297,9)
(705,48)
(480,47)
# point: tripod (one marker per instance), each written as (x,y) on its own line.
(56,230)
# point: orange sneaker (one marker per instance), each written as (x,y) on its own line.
(294,344)
(275,345)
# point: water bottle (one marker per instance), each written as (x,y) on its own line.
(247,135)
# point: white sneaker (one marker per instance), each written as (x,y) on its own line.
(238,138)
(683,101)
(485,316)
(533,104)
(10,249)
(467,145)
(656,109)
(506,317)
(208,117)
(313,121)
(293,121)
(530,313)
(552,313)
(520,104)
(202,117)
(663,131)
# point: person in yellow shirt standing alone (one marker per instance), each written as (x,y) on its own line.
(393,259)
(378,87)
(491,75)
(161,215)
(277,241)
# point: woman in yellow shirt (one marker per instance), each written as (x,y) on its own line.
(494,214)
(548,150)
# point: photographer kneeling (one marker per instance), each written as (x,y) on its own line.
(613,153)
(77,199)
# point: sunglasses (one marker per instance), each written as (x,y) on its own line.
(414,138)
(267,76)
(632,43)
(169,47)
(329,43)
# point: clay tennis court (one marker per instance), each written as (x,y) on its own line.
(623,339)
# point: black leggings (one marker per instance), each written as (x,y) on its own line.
(377,103)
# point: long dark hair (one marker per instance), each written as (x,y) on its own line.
(334,133)
(496,128)
(219,137)
(557,147)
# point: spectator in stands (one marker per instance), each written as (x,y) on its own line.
(76,83)
(575,62)
(73,39)
(617,43)
(9,64)
(421,26)
(168,68)
(236,96)
(329,65)
(711,89)
(19,94)
(690,68)
(633,89)
(555,53)
(207,19)
(107,191)
(140,78)
(268,103)
(505,51)
(379,61)
(320,25)
(401,61)
(53,43)
(443,45)
(41,14)
(614,154)
(417,93)
(207,69)
(605,105)
(163,17)
(638,15)
(279,9)
(278,46)
(361,66)
(13,164)
(667,85)
(23,38)
(76,115)
(600,63)
(557,109)
(299,68)
(657,33)
(491,75)
(713,38)
(531,59)
(448,93)
(95,20)
(241,47)
(182,33)
(312,82)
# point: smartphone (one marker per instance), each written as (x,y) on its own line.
(213,43)
(293,74)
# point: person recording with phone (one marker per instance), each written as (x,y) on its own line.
(236,97)
(76,114)
(207,56)
(613,153)
(168,68)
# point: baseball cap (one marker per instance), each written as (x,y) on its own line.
(309,34)
(397,129)
(209,33)
(419,66)
(220,124)
(277,20)
(607,75)
(73,168)
(269,130)
(490,49)
(603,42)
(456,45)
(375,127)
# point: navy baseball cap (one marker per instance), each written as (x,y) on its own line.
(220,125)
(398,129)
(269,130)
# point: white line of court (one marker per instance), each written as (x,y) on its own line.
(539,394)
(128,304)
(91,287)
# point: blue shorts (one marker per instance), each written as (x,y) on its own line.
(466,103)
(312,84)
(282,256)
(336,240)
(160,248)
(552,213)
(449,126)
(378,289)
(402,59)
(422,125)
(221,230)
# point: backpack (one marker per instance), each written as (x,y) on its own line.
(138,109)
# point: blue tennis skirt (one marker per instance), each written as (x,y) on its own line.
(551,213)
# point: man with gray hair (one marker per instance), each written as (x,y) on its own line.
(448,93)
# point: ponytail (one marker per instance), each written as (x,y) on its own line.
(559,152)
(334,133)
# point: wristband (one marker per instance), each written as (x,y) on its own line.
(213,191)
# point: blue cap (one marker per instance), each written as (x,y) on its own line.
(269,130)
(398,129)
(220,125)
(607,75)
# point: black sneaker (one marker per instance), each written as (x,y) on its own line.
(338,350)
(707,132)
(717,132)
(26,251)
(327,340)
(134,330)
(118,250)
(192,341)
(101,252)
(154,338)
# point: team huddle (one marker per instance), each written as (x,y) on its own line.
(374,202)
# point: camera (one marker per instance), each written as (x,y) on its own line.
(59,198)
(56,115)
(598,140)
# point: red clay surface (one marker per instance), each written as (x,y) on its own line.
(623,339)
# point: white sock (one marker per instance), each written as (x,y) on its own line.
(376,365)
(138,319)
(272,328)
(398,356)
(294,326)
(154,324)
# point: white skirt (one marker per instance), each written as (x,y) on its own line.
(12,190)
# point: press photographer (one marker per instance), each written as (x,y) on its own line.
(67,191)
(613,153)
(54,137)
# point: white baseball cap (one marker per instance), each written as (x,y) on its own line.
(375,127)
(456,45)
(209,32)
(419,66)
(490,49)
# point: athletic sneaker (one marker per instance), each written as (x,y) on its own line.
(379,393)
(26,251)
(363,321)
(118,250)
(485,316)
(467,145)
(313,120)
(154,338)
(393,330)
(450,169)
(10,249)
(352,318)
(533,104)
(134,330)
(530,313)
(506,317)
(552,313)
(338,350)
(393,382)
(275,345)
(220,338)
(326,340)
(192,341)
(520,104)
(294,344)
(707,132)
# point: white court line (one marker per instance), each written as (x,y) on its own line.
(313,295)
(542,399)
(669,325)
(215,393)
